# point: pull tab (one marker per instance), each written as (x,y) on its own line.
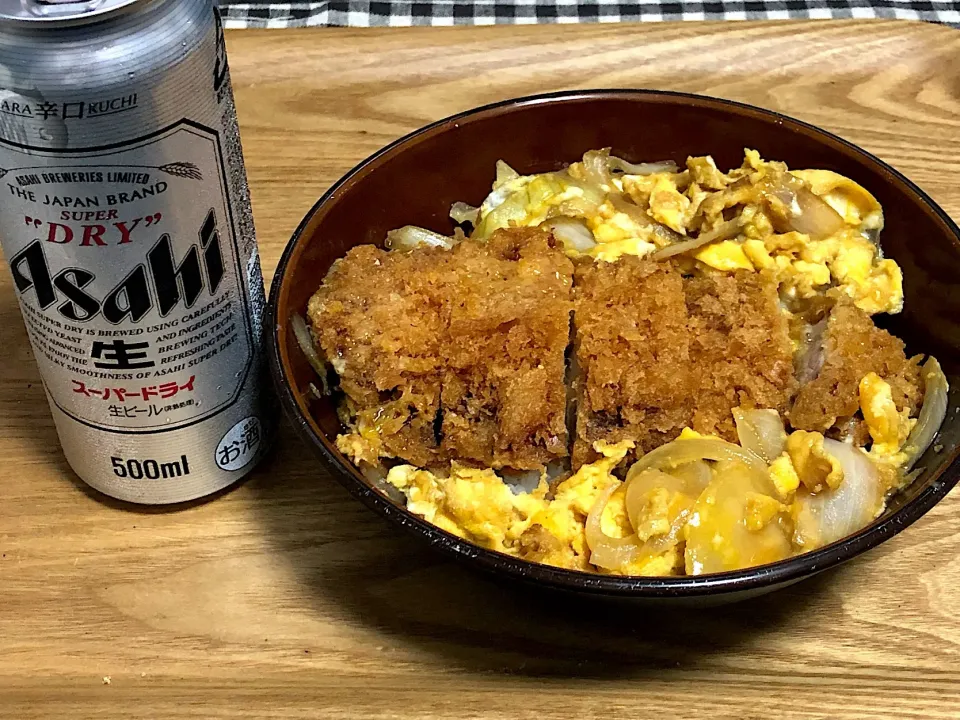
(60,8)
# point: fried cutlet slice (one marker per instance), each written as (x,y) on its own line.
(852,347)
(378,319)
(504,398)
(634,378)
(739,346)
(451,355)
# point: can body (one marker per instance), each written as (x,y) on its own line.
(126,223)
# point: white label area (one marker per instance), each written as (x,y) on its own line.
(126,266)
(240,445)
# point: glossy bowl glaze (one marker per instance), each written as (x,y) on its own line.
(415,180)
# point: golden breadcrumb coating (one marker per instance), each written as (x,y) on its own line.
(852,348)
(634,380)
(739,346)
(452,354)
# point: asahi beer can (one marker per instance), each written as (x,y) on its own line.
(125,219)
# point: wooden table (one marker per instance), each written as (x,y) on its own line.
(287,599)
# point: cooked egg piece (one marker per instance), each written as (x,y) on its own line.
(727,255)
(852,202)
(611,251)
(565,515)
(784,476)
(888,426)
(473,504)
(816,468)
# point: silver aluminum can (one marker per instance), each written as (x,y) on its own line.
(126,223)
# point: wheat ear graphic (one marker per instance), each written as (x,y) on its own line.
(182,169)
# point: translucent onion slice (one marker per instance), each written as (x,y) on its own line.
(460,212)
(761,432)
(717,534)
(645,482)
(605,551)
(932,412)
(649,480)
(724,231)
(696,474)
(505,174)
(574,234)
(597,169)
(679,452)
(833,514)
(639,216)
(410,237)
(651,168)
(305,340)
(808,213)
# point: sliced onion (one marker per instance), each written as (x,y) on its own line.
(641,484)
(718,536)
(833,514)
(651,168)
(597,169)
(809,213)
(761,432)
(724,231)
(305,340)
(631,210)
(460,212)
(505,174)
(411,237)
(696,475)
(679,452)
(574,234)
(932,412)
(605,551)
(639,216)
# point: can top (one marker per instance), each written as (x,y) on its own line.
(58,11)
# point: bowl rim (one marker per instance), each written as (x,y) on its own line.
(754,578)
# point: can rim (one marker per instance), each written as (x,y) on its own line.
(62,12)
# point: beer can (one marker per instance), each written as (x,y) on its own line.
(126,223)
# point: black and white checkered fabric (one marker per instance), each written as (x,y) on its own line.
(404,13)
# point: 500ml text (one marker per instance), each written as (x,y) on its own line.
(149,469)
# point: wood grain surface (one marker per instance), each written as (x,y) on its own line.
(284,598)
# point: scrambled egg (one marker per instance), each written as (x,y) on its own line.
(473,504)
(564,516)
(888,426)
(815,468)
(716,517)
(784,476)
(629,214)
(477,505)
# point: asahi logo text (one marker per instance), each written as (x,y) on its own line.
(162,281)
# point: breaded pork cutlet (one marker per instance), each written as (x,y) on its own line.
(852,347)
(453,354)
(379,320)
(634,379)
(739,346)
(504,398)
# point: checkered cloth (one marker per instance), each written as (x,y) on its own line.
(404,13)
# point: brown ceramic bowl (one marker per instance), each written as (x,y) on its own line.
(415,180)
